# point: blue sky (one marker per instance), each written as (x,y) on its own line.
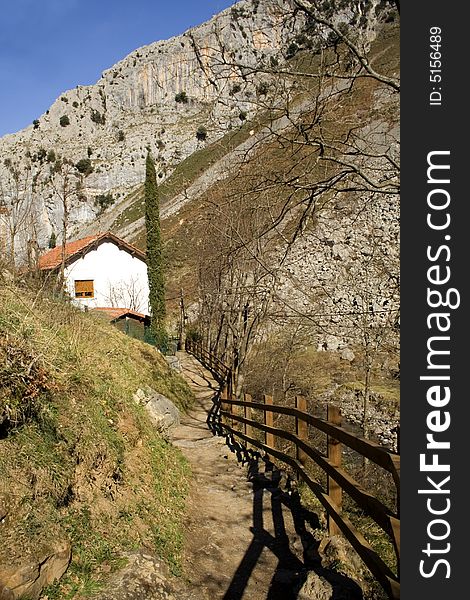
(49,46)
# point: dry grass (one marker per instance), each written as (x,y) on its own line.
(79,459)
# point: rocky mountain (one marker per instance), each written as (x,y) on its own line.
(173,96)
(212,105)
(157,97)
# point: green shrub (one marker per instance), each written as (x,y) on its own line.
(64,121)
(36,124)
(292,50)
(84,166)
(97,117)
(104,201)
(201,133)
(235,89)
(53,240)
(182,97)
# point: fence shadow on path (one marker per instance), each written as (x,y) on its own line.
(291,570)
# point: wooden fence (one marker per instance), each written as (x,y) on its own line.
(237,419)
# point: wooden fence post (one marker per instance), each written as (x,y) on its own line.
(248,414)
(269,421)
(301,428)
(231,396)
(223,405)
(334,455)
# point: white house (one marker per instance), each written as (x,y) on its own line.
(102,271)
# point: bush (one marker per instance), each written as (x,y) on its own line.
(235,89)
(121,136)
(193,334)
(64,121)
(36,124)
(53,240)
(292,50)
(201,133)
(97,117)
(104,201)
(84,166)
(182,98)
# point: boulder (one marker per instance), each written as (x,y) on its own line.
(144,576)
(174,363)
(28,579)
(163,413)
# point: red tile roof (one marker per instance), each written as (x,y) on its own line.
(53,258)
(117,313)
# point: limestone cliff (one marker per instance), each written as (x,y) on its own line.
(157,97)
(207,79)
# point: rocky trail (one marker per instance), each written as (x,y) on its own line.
(247,536)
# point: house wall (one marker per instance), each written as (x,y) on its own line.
(120,280)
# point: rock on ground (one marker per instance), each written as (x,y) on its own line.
(145,577)
(163,413)
(28,580)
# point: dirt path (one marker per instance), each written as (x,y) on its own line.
(245,536)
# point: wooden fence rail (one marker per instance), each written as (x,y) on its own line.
(241,424)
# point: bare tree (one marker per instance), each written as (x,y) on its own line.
(235,290)
(330,110)
(66,183)
(126,294)
(17,191)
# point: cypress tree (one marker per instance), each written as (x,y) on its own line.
(154,256)
(53,240)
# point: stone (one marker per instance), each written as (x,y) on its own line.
(6,593)
(347,354)
(144,576)
(163,413)
(174,363)
(30,578)
(315,587)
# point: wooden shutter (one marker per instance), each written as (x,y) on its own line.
(84,288)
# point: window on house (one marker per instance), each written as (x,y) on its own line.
(84,288)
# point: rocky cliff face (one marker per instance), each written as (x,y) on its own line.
(157,97)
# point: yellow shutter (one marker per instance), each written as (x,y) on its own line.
(84,288)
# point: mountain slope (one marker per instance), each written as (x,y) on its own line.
(157,97)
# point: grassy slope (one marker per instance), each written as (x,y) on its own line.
(185,173)
(83,462)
